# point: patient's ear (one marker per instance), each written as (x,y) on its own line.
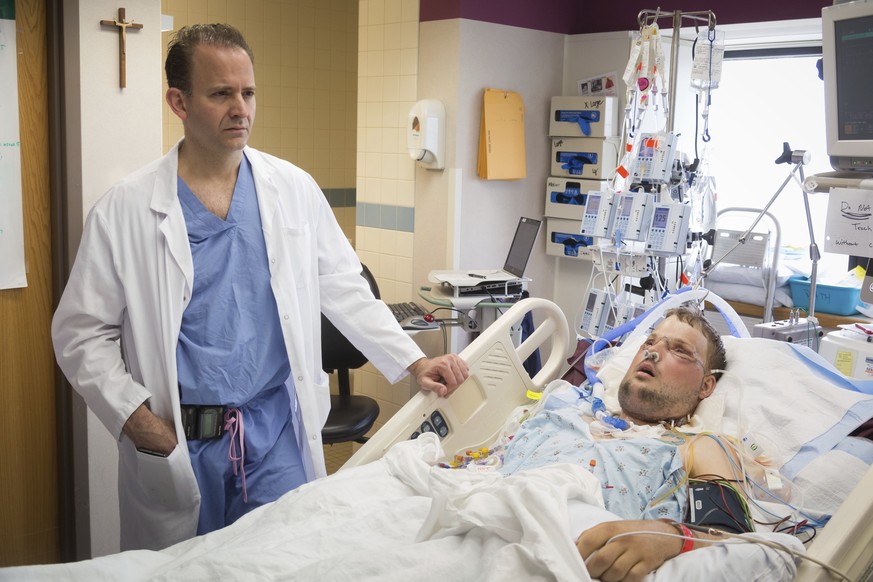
(708,386)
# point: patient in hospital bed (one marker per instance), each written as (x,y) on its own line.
(565,485)
(640,458)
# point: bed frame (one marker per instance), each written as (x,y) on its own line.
(498,383)
(476,412)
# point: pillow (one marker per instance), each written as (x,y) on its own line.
(750,294)
(748,275)
(790,396)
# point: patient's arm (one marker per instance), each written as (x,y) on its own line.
(709,458)
(631,557)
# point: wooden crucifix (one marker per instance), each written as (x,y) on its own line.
(122,25)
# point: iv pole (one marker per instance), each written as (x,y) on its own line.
(650,16)
(799,158)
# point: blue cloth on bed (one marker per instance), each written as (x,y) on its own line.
(853,418)
(634,472)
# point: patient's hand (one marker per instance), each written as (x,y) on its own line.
(628,558)
(442,375)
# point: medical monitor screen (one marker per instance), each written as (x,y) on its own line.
(627,204)
(847,62)
(593,206)
(854,61)
(659,220)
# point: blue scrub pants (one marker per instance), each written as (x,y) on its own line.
(273,462)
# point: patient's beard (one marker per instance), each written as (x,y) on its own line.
(652,406)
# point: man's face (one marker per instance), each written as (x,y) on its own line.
(671,384)
(219,114)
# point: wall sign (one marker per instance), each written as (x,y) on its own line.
(12,272)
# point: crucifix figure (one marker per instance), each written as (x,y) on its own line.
(122,25)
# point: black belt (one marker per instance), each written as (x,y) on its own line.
(203,421)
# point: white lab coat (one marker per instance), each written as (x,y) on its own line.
(117,325)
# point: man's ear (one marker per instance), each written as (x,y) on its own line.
(708,386)
(176,100)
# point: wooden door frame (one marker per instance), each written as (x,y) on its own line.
(70,545)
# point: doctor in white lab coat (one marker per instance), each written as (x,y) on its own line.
(117,326)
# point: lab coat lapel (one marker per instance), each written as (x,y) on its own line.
(267,191)
(165,202)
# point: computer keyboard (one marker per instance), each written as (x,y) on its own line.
(403,311)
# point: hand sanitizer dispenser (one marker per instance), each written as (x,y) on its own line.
(425,135)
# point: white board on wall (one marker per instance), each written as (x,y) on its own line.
(849,224)
(12,271)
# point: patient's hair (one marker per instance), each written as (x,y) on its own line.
(180,51)
(716,358)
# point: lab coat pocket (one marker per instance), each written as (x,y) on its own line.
(297,255)
(168,481)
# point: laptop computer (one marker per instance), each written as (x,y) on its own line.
(485,280)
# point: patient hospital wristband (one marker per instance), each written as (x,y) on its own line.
(687,537)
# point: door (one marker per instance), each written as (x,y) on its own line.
(29,523)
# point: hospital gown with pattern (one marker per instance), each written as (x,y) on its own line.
(639,476)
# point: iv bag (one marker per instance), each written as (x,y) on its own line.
(708,58)
(703,204)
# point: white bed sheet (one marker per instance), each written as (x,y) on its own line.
(402,519)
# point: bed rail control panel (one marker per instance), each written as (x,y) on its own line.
(436,424)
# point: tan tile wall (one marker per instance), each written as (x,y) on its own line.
(306,60)
(387,88)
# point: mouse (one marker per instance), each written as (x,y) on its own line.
(418,323)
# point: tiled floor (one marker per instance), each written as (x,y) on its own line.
(336,455)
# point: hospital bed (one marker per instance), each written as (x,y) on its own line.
(391,513)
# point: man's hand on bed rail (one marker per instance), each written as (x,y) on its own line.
(442,375)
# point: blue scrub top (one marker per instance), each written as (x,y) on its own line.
(231,352)
(231,346)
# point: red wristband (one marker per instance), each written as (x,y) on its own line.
(688,537)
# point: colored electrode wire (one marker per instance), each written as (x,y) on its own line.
(742,522)
(750,497)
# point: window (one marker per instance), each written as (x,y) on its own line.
(767,97)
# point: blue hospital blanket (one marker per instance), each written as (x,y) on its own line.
(637,474)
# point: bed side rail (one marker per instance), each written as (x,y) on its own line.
(846,542)
(474,414)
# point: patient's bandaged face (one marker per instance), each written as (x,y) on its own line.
(637,475)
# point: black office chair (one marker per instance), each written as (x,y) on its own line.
(351,416)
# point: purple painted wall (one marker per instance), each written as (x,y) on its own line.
(584,16)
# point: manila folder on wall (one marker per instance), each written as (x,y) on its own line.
(501,136)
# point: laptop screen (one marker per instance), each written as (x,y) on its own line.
(522,245)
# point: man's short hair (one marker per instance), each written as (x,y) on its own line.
(716,358)
(180,51)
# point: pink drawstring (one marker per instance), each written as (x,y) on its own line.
(233,423)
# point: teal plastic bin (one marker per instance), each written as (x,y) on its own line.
(828,298)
